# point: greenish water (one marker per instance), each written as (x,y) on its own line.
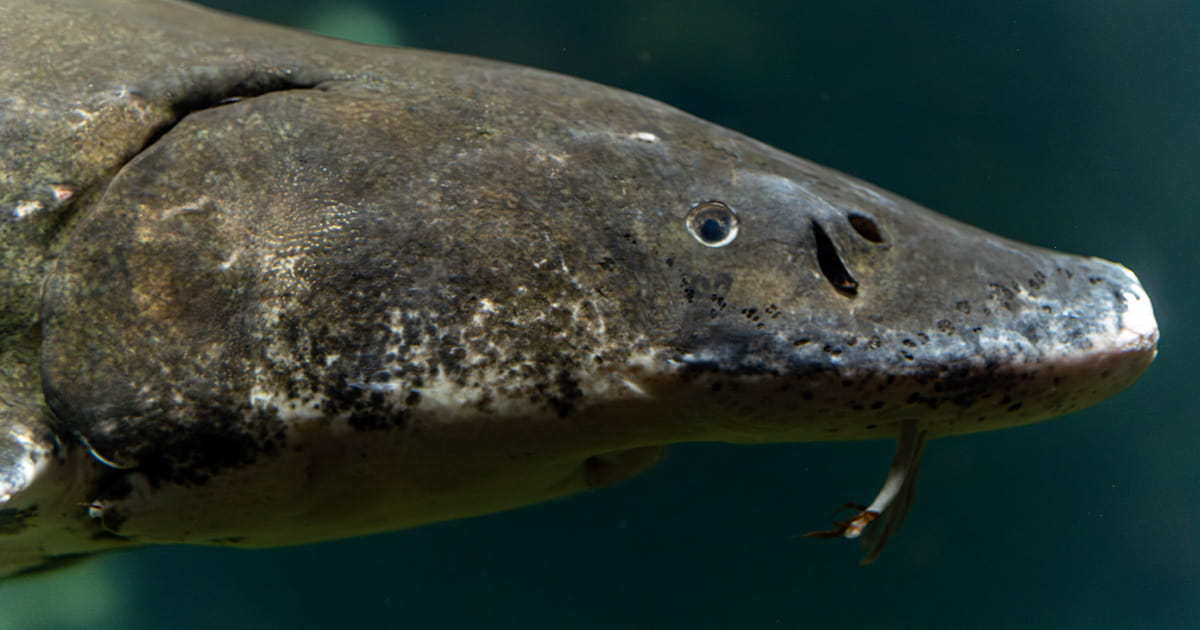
(1071,125)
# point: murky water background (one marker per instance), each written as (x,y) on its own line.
(1071,125)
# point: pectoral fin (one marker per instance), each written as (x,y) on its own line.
(886,513)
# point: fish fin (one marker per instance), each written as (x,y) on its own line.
(884,516)
(907,465)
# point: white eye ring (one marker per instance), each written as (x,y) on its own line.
(712,224)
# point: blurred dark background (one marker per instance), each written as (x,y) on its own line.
(1073,125)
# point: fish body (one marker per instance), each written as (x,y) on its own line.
(265,288)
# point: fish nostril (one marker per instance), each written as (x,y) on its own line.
(831,263)
(866,227)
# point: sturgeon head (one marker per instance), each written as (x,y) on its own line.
(346,289)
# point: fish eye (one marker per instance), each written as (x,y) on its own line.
(712,223)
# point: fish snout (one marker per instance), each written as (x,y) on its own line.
(1136,330)
(1123,340)
(1022,335)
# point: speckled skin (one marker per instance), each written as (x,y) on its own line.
(261,287)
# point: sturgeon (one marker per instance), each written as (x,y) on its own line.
(265,288)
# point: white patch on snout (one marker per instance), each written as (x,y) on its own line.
(1138,327)
(644,136)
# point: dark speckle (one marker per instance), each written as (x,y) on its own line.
(567,394)
(1037,281)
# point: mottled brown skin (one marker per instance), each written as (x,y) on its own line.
(261,287)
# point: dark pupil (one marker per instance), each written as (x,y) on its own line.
(712,230)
